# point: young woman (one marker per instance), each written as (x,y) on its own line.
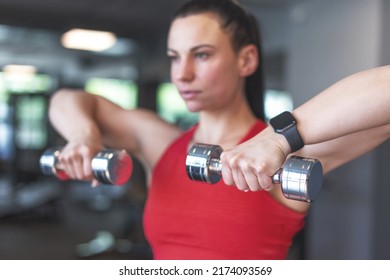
(214,50)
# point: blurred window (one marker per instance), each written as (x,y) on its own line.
(23,110)
(31,130)
(172,108)
(16,83)
(276,102)
(121,92)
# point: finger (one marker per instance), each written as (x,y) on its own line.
(87,156)
(240,181)
(95,183)
(64,159)
(252,181)
(71,162)
(265,181)
(227,176)
(261,173)
(77,165)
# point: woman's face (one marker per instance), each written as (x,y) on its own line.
(204,66)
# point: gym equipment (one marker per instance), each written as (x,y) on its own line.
(300,178)
(108,166)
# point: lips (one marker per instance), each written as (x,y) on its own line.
(189,94)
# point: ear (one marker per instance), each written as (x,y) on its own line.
(248,60)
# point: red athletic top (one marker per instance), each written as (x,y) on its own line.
(185,219)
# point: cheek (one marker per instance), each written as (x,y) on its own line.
(214,75)
(220,79)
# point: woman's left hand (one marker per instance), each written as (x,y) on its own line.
(251,165)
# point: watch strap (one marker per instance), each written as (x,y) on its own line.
(293,138)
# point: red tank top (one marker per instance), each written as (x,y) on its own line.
(185,219)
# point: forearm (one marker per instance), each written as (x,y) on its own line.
(356,103)
(71,112)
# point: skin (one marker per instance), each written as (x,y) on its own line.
(210,77)
(345,121)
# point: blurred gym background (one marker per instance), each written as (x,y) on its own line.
(307,45)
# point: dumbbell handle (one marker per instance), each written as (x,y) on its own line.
(108,166)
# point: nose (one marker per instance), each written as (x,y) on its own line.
(183,70)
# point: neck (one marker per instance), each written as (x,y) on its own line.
(224,128)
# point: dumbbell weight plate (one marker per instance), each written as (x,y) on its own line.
(112,167)
(301,178)
(198,163)
(49,164)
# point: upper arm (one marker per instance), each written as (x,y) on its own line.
(141,132)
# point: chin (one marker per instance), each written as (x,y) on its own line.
(193,108)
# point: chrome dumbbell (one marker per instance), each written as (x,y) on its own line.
(108,166)
(300,178)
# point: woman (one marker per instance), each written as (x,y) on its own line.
(214,50)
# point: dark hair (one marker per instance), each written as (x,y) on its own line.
(244,30)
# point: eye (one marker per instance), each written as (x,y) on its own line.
(202,55)
(173,57)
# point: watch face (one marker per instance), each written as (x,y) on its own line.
(282,122)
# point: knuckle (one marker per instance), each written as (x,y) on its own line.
(260,169)
(86,151)
(233,162)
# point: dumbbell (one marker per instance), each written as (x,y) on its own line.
(300,178)
(108,166)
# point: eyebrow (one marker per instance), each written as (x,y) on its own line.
(195,48)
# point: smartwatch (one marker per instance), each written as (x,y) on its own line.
(286,124)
